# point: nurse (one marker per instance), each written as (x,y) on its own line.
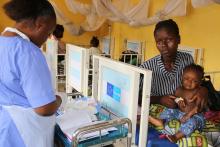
(27,100)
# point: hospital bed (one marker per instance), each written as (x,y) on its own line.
(133,53)
(197,139)
(131,57)
(115,87)
(122,130)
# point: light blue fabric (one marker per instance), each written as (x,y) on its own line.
(31,125)
(24,81)
(24,75)
(10,136)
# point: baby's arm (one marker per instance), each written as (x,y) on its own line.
(200,104)
(202,97)
(179,100)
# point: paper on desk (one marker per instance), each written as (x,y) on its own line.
(73,119)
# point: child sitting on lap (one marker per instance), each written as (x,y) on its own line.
(190,108)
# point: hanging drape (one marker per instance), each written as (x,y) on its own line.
(201,3)
(123,11)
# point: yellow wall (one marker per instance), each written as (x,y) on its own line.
(4,20)
(76,18)
(199,29)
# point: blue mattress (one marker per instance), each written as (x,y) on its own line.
(153,139)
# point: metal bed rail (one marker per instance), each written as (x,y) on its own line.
(100,126)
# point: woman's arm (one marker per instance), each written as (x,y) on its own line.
(166,101)
(49,109)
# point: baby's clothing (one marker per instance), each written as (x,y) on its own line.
(196,122)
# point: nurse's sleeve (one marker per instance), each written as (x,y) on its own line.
(35,78)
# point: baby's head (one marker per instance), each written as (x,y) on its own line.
(192,76)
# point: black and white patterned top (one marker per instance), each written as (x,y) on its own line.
(164,82)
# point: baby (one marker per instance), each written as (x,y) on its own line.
(190,107)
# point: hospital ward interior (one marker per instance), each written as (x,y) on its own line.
(129,73)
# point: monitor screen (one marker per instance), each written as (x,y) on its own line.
(115,91)
(74,67)
(116,87)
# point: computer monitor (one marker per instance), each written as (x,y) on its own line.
(77,68)
(116,90)
(116,87)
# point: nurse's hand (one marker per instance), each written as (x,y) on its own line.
(58,100)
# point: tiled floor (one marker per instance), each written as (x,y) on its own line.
(121,143)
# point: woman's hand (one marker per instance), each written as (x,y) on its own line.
(180,102)
(168,101)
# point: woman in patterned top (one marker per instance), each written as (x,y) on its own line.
(167,67)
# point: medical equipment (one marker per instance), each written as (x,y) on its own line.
(115,87)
